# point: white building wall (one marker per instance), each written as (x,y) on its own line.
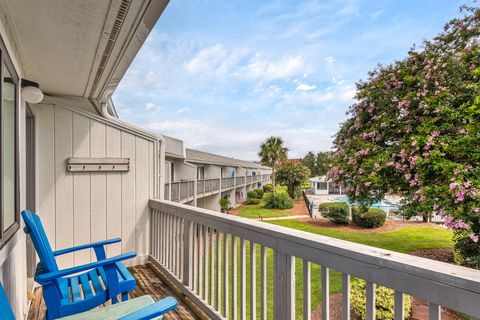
(212,172)
(78,208)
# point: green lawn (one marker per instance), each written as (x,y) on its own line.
(403,240)
(258,210)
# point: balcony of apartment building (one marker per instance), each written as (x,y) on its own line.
(201,179)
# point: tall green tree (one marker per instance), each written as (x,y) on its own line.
(309,162)
(323,162)
(272,152)
(292,175)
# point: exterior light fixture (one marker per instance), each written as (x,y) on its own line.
(31,91)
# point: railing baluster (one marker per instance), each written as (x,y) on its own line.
(434,311)
(398,305)
(284,286)
(165,239)
(195,256)
(264,281)
(174,245)
(234,278)
(370,300)
(181,222)
(345,296)
(225,274)
(205,263)
(243,280)
(253,280)
(188,248)
(219,272)
(307,291)
(169,239)
(200,261)
(325,293)
(212,269)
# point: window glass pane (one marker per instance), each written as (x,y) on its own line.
(8,141)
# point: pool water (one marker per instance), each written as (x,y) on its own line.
(384,205)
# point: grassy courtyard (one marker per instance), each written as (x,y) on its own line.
(259,211)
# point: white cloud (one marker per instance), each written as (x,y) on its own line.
(305,87)
(152,106)
(329,61)
(182,110)
(285,67)
(206,60)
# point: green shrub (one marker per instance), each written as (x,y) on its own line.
(252,201)
(268,187)
(373,218)
(467,252)
(335,212)
(225,205)
(280,201)
(259,192)
(384,301)
(252,194)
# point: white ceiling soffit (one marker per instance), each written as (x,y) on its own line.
(81,47)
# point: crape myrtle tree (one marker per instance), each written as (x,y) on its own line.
(292,175)
(415,130)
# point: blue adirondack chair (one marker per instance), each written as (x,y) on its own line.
(62,288)
(141,308)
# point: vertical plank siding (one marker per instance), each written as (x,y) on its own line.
(83,207)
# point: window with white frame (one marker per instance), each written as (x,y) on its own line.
(9,195)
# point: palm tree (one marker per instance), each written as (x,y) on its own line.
(271,153)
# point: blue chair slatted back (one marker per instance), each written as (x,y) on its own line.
(34,227)
(5,310)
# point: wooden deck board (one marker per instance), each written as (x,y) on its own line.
(148,282)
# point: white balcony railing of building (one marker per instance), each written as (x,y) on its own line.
(228,183)
(240,181)
(206,254)
(180,191)
(208,186)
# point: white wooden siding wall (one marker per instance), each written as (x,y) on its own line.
(78,208)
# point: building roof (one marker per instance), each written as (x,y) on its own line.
(78,48)
(320,179)
(202,157)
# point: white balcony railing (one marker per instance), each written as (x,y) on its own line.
(228,183)
(180,191)
(205,254)
(207,186)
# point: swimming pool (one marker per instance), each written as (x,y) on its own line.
(384,205)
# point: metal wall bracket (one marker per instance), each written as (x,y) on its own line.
(98,164)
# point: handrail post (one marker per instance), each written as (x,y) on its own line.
(188,254)
(284,286)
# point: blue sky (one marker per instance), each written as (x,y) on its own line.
(225,75)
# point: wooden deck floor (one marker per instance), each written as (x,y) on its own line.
(148,282)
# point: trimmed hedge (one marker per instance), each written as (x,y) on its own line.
(268,187)
(259,192)
(373,218)
(252,194)
(384,301)
(335,212)
(280,201)
(252,201)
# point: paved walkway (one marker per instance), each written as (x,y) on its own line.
(285,218)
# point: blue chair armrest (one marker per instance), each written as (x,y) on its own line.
(154,310)
(48,277)
(86,246)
